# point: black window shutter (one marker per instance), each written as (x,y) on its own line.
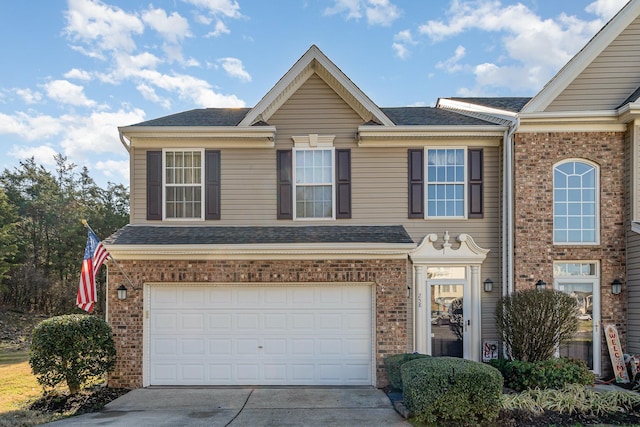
(416,183)
(476,185)
(212,184)
(285,184)
(343,183)
(154,185)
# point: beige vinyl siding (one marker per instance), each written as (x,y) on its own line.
(632,288)
(609,79)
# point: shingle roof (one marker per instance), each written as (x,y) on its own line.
(426,116)
(513,104)
(201,117)
(416,116)
(215,235)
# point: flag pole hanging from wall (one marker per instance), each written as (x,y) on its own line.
(95,254)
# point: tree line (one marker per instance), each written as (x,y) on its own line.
(42,238)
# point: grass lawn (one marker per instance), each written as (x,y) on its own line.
(17,388)
(18,383)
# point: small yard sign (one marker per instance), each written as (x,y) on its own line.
(489,350)
(615,353)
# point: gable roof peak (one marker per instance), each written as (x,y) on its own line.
(314,61)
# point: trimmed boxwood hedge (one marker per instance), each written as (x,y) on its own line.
(553,373)
(451,391)
(394,362)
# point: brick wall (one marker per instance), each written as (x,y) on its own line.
(534,253)
(126,317)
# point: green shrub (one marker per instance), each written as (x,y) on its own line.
(451,391)
(532,323)
(72,348)
(394,362)
(553,373)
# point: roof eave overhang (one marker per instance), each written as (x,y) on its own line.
(262,251)
(221,136)
(629,112)
(571,121)
(374,136)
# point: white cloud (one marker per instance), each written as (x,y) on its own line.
(401,43)
(234,67)
(452,65)
(219,29)
(532,48)
(30,127)
(172,28)
(77,74)
(150,94)
(377,12)
(605,8)
(43,155)
(67,93)
(117,169)
(228,8)
(29,96)
(101,27)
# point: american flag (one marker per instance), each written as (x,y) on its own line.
(95,254)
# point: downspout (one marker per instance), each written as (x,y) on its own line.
(124,143)
(508,207)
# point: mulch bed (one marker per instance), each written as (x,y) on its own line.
(551,418)
(88,400)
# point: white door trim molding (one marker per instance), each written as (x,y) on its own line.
(467,254)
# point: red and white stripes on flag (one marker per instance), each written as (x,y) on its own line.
(95,254)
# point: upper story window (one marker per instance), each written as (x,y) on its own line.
(183,184)
(314,183)
(575,203)
(449,183)
(446,182)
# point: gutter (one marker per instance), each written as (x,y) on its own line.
(123,142)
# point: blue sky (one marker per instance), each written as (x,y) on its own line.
(73,71)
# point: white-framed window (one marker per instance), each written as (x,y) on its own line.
(183,183)
(313,175)
(446,182)
(576,203)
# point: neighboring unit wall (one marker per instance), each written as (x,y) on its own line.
(608,80)
(126,317)
(534,252)
(631,287)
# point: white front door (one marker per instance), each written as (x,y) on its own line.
(252,334)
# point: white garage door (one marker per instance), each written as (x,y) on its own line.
(294,335)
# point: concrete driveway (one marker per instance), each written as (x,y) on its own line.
(287,406)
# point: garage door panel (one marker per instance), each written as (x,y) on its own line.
(297,335)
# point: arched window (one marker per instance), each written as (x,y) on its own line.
(575,203)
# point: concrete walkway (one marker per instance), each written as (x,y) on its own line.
(235,407)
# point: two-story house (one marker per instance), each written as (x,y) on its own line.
(301,241)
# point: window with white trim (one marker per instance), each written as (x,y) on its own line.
(183,184)
(313,171)
(575,203)
(446,182)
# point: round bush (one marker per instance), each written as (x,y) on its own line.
(451,391)
(394,362)
(73,349)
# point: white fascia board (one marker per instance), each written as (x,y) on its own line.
(262,251)
(488,112)
(373,136)
(583,58)
(571,121)
(216,136)
(629,112)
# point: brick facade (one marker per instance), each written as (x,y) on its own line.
(126,317)
(534,252)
